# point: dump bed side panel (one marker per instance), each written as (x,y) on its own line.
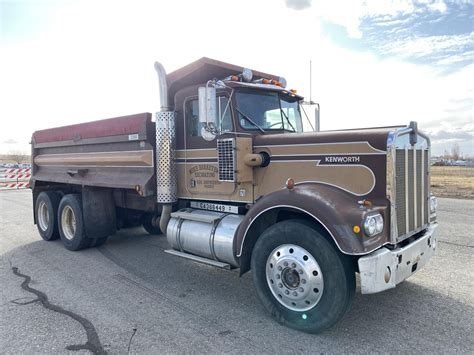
(116,153)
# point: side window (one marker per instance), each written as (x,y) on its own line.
(192,118)
(224,119)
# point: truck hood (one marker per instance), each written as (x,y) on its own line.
(375,137)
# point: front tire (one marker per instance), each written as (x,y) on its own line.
(71,223)
(301,279)
(46,215)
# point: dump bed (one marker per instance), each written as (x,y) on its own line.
(116,153)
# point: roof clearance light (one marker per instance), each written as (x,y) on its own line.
(265,81)
(234,78)
(293,91)
(247,75)
(282,80)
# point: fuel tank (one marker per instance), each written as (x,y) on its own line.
(204,233)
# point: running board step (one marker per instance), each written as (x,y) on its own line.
(198,259)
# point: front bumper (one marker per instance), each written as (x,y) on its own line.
(384,268)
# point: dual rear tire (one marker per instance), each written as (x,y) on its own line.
(58,217)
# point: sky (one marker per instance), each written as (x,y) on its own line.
(374,62)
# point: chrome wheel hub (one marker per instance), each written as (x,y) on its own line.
(294,277)
(43,216)
(68,222)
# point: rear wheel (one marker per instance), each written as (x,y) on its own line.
(71,223)
(301,279)
(147,222)
(46,212)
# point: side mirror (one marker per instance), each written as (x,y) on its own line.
(207,106)
(317,121)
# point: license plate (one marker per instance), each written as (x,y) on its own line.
(215,207)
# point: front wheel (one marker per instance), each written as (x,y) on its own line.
(301,279)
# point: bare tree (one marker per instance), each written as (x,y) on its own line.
(455,151)
(18,157)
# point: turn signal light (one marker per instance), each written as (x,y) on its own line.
(365,203)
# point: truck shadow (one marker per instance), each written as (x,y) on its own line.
(410,308)
(411,316)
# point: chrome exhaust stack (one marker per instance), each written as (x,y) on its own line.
(166,181)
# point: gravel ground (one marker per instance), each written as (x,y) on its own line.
(130,296)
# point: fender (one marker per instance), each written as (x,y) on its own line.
(335,210)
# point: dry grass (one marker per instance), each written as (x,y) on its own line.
(452,181)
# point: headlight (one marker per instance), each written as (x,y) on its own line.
(433,204)
(373,224)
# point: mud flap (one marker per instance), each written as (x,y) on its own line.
(99,215)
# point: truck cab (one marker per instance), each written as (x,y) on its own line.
(236,175)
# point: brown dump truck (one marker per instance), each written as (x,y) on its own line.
(227,172)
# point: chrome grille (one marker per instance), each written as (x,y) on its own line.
(426,187)
(411,190)
(226,159)
(400,191)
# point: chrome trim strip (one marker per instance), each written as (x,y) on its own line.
(318,144)
(325,154)
(178,234)
(407,204)
(422,186)
(391,193)
(415,198)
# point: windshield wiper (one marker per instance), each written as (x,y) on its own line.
(287,119)
(250,120)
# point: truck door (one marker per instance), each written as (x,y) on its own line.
(197,159)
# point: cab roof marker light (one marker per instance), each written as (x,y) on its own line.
(261,81)
(247,75)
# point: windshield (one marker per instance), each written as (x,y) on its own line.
(268,111)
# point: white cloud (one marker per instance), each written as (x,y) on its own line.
(10,141)
(429,45)
(350,14)
(439,6)
(298,4)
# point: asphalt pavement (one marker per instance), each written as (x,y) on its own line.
(130,296)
